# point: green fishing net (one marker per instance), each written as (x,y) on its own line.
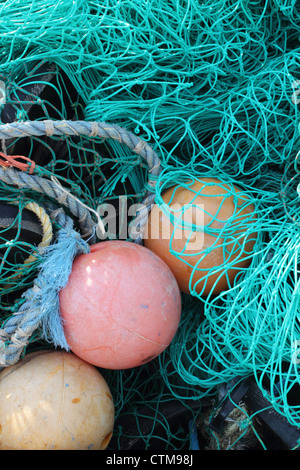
(213,87)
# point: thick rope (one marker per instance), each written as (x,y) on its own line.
(91,129)
(41,306)
(20,179)
(46,224)
(45,221)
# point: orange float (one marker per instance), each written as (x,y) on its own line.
(225,213)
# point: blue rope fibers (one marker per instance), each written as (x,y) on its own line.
(54,276)
(41,306)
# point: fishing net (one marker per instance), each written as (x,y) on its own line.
(213,89)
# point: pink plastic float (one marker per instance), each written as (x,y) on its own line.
(121,307)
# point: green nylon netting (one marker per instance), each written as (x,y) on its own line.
(213,87)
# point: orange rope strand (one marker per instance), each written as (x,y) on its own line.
(12,160)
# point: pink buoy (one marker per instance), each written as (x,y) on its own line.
(121,307)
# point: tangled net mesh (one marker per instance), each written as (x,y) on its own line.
(213,88)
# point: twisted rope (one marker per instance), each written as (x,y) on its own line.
(90,129)
(45,221)
(41,306)
(46,225)
(20,179)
